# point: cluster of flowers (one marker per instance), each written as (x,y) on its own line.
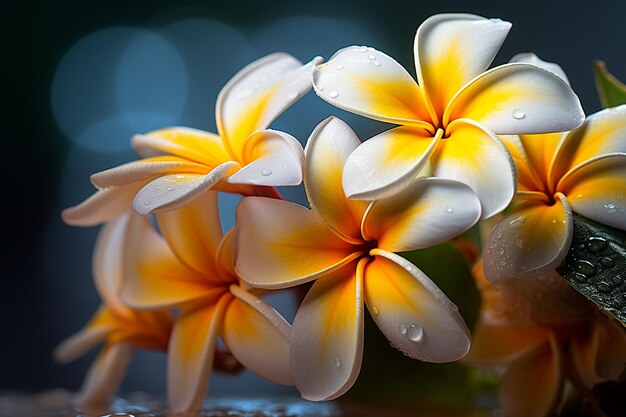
(180,282)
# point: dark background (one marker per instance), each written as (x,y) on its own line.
(70,109)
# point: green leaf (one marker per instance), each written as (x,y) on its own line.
(611,91)
(596,265)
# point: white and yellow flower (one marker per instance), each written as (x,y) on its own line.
(347,247)
(190,267)
(452,117)
(583,171)
(544,332)
(179,164)
(120,328)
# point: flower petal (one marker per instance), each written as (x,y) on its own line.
(327,338)
(531,58)
(282,244)
(270,158)
(612,348)
(597,190)
(539,376)
(365,81)
(192,144)
(414,314)
(173,191)
(102,206)
(80,343)
(602,134)
(193,232)
(257,94)
(518,99)
(451,49)
(387,163)
(154,277)
(146,169)
(429,211)
(190,354)
(105,375)
(527,178)
(540,151)
(479,159)
(108,262)
(258,337)
(532,239)
(498,345)
(327,150)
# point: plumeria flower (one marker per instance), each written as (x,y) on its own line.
(190,267)
(451,116)
(121,329)
(348,247)
(179,164)
(544,332)
(583,171)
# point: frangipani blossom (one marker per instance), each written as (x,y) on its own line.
(347,247)
(544,332)
(120,328)
(190,268)
(452,117)
(179,164)
(583,171)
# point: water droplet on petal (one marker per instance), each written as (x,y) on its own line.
(340,66)
(503,262)
(363,49)
(518,114)
(402,329)
(449,209)
(611,208)
(375,310)
(372,57)
(266,172)
(377,63)
(501,251)
(338,362)
(415,333)
(520,219)
(147,203)
(597,244)
(333,94)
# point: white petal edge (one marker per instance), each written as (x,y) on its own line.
(171,191)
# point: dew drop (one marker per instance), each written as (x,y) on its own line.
(503,262)
(333,94)
(375,310)
(377,63)
(519,242)
(501,251)
(266,172)
(415,333)
(554,221)
(338,362)
(340,66)
(608,261)
(597,244)
(585,267)
(604,287)
(363,49)
(333,142)
(520,219)
(402,329)
(372,57)
(408,268)
(518,114)
(147,203)
(617,279)
(449,209)
(580,277)
(611,208)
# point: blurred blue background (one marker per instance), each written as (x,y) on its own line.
(83,77)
